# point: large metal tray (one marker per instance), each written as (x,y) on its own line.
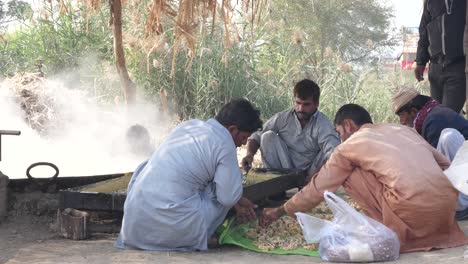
(28,185)
(108,195)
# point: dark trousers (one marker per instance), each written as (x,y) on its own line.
(448,84)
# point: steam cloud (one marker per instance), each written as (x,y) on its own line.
(89,138)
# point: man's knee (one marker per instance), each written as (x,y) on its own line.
(451,135)
(269,138)
(275,152)
(450,141)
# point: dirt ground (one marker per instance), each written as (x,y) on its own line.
(27,239)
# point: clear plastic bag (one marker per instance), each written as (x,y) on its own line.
(351,236)
(457,173)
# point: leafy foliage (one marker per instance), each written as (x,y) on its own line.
(335,43)
(13,10)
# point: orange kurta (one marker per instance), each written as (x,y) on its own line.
(397,178)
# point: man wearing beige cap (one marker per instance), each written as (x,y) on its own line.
(442,127)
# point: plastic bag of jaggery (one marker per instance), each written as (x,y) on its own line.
(351,236)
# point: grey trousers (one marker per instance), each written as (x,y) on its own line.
(275,154)
(450,141)
(448,84)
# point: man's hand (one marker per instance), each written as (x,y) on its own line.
(419,72)
(270,215)
(247,162)
(245,210)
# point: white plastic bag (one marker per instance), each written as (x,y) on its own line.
(351,236)
(457,173)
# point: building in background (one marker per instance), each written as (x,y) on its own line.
(410,45)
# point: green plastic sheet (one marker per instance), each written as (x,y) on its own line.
(234,235)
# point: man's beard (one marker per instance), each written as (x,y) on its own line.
(303,115)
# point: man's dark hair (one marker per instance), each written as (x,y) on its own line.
(137,131)
(355,112)
(418,102)
(139,140)
(306,89)
(240,113)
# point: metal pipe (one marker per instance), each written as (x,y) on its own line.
(10,132)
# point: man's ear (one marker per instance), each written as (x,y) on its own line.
(346,125)
(414,111)
(349,125)
(233,129)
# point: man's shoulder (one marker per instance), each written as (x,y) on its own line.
(320,114)
(210,126)
(382,132)
(442,113)
(283,116)
(440,109)
(192,122)
(322,118)
(382,129)
(284,113)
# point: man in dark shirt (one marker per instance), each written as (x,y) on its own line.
(441,42)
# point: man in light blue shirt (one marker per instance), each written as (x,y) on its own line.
(178,198)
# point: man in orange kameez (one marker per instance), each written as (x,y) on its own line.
(394,175)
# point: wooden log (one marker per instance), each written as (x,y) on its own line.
(73,224)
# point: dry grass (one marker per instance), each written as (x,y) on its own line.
(189,21)
(38,104)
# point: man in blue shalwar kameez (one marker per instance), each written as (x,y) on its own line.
(178,198)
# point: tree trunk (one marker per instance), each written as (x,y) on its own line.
(116,20)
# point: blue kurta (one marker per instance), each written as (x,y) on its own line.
(440,118)
(178,198)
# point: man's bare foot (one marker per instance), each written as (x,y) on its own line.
(213,242)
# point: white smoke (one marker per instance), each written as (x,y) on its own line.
(90,138)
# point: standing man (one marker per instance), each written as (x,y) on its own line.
(441,42)
(301,138)
(393,175)
(178,198)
